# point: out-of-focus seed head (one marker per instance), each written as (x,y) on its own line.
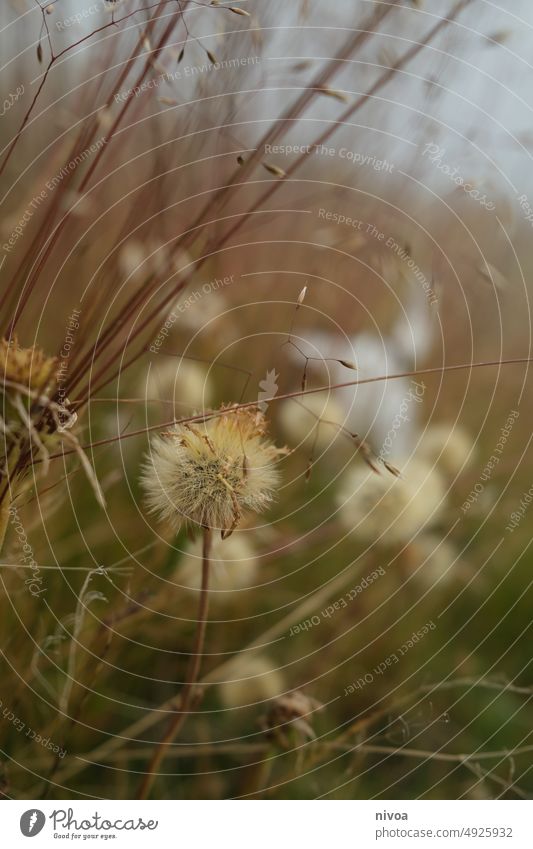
(288,719)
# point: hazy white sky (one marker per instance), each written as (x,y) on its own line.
(484,116)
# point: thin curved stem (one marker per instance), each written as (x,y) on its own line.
(188,693)
(7,490)
(4,517)
(298,393)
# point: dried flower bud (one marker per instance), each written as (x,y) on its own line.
(288,717)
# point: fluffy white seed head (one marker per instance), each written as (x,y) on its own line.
(250,679)
(209,473)
(436,562)
(389,510)
(182,382)
(450,447)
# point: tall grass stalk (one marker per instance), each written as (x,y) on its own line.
(188,694)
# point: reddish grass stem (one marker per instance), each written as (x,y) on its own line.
(239,177)
(188,693)
(301,393)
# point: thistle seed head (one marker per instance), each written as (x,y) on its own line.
(29,368)
(32,422)
(208,473)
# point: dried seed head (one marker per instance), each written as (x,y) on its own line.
(195,473)
(30,420)
(290,713)
(30,368)
(336,95)
(366,452)
(301,296)
(237,11)
(273,169)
